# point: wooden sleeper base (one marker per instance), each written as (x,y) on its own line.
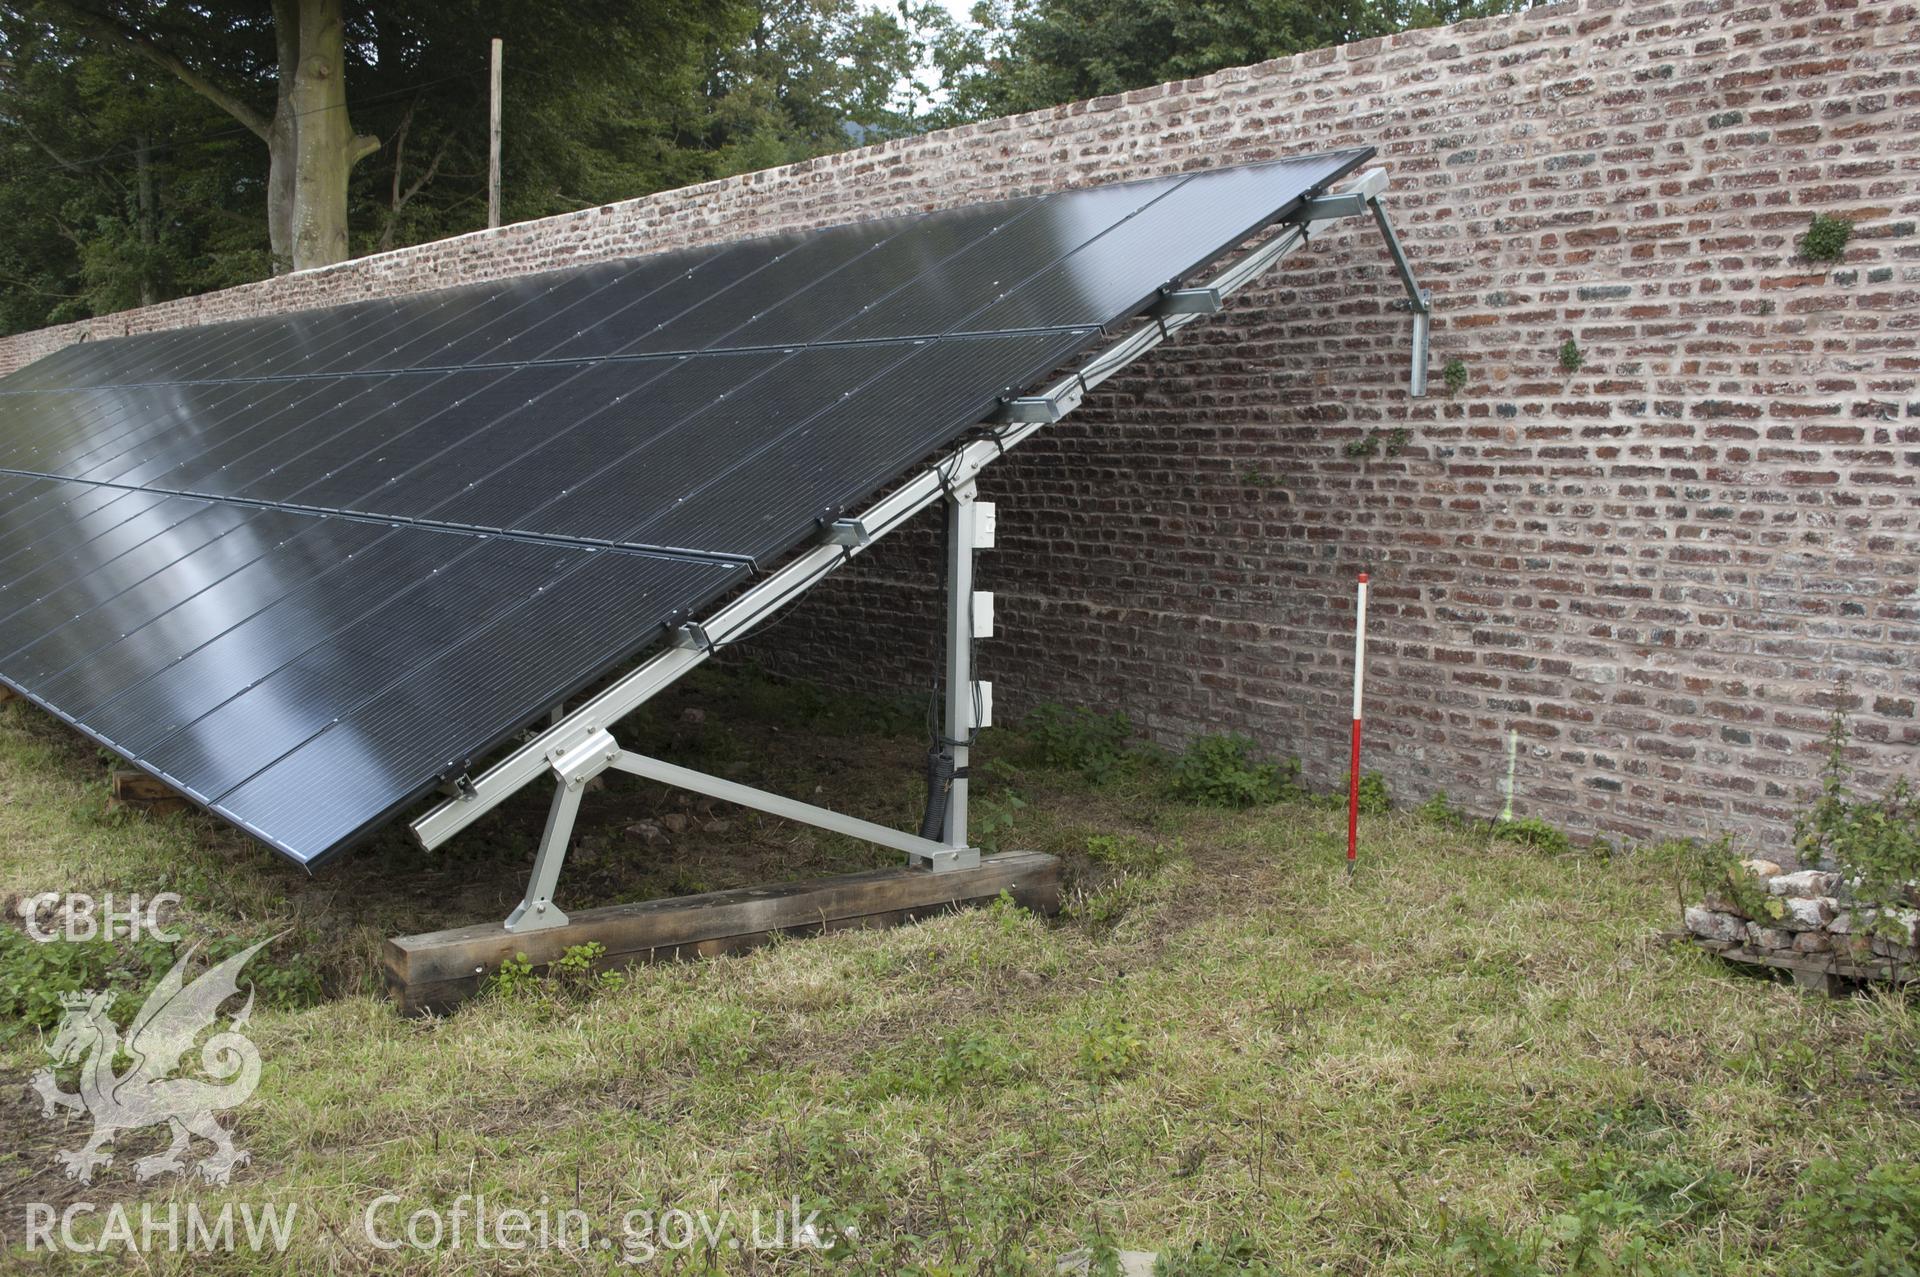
(137,791)
(437,971)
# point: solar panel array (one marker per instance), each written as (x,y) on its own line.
(304,568)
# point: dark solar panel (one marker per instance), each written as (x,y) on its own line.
(216,642)
(305,567)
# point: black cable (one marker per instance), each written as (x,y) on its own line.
(940,775)
(797,593)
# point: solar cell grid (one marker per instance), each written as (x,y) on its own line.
(304,567)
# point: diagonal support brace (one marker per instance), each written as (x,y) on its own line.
(1419,300)
(1361,197)
(920,851)
(575,764)
(525,764)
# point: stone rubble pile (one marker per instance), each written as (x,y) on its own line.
(1805,914)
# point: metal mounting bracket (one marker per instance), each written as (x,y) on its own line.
(1422,336)
(459,788)
(573,765)
(1352,202)
(692,637)
(1190,301)
(1419,300)
(1363,196)
(852,534)
(1037,410)
(693,643)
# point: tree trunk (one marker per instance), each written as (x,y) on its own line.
(280,137)
(149,236)
(311,145)
(325,148)
(280,193)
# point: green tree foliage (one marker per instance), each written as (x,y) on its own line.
(135,135)
(122,183)
(279,72)
(811,77)
(111,184)
(1022,55)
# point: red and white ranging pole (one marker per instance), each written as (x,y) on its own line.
(1359,686)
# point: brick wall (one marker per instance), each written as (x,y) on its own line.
(1660,571)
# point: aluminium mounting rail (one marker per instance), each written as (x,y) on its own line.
(578,745)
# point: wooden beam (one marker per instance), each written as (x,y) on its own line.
(137,791)
(437,971)
(493,135)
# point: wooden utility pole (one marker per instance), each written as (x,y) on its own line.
(493,141)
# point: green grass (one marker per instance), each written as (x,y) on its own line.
(1473,1057)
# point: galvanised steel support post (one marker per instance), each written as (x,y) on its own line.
(1419,300)
(536,910)
(1019,419)
(575,747)
(962,536)
(572,769)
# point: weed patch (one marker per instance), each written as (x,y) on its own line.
(1098,746)
(1221,771)
(1873,842)
(1110,1048)
(1531,831)
(1871,1214)
(1130,853)
(34,976)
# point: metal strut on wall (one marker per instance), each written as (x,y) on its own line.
(579,745)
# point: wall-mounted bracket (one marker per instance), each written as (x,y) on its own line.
(1419,301)
(1363,196)
(1422,332)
